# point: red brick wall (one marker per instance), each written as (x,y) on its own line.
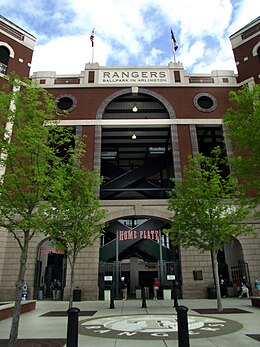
(21,52)
(250,67)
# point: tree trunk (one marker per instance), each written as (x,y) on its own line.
(72,264)
(216,279)
(18,294)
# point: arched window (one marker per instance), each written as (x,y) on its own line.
(256,51)
(4,59)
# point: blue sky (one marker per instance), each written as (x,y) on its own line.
(131,32)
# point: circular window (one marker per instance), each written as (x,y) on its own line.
(66,103)
(205,102)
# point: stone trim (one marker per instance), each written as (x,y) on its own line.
(194,139)
(176,152)
(97,148)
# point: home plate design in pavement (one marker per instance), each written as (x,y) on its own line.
(151,327)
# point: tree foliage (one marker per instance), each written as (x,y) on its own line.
(28,162)
(207,208)
(75,220)
(243,124)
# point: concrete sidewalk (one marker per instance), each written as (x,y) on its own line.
(130,325)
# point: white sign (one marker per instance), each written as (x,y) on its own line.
(108,278)
(130,76)
(170,277)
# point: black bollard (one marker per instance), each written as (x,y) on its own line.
(175,295)
(112,303)
(143,298)
(73,323)
(183,329)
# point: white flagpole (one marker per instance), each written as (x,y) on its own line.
(173,51)
(92,36)
(93,54)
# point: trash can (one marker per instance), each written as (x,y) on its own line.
(107,294)
(167,294)
(138,292)
(40,294)
(77,294)
(212,293)
(58,295)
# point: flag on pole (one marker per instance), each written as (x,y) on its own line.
(92,37)
(175,44)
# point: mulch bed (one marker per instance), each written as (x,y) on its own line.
(215,310)
(254,336)
(36,343)
(65,314)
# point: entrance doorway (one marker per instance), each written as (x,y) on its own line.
(146,280)
(232,267)
(50,268)
(134,248)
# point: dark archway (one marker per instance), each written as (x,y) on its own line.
(145,106)
(136,160)
(51,264)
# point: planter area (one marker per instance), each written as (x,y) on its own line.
(6,309)
(255,300)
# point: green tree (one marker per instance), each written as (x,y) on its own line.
(27,165)
(75,220)
(243,124)
(207,209)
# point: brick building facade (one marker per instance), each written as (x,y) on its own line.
(141,124)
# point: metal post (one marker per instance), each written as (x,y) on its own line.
(143,298)
(175,294)
(183,329)
(72,330)
(117,265)
(161,258)
(112,304)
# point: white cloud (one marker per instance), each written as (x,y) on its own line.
(246,11)
(67,54)
(135,32)
(193,53)
(152,59)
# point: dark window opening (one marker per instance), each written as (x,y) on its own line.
(136,162)
(205,102)
(209,138)
(91,77)
(197,275)
(66,103)
(177,76)
(4,59)
(62,149)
